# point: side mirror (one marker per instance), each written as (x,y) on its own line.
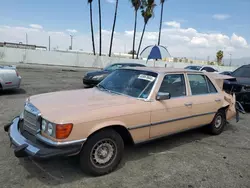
(163,96)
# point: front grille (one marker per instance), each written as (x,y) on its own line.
(31,119)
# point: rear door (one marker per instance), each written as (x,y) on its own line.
(206,100)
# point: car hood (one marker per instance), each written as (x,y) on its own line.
(243,80)
(62,106)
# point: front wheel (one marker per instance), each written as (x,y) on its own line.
(102,153)
(218,123)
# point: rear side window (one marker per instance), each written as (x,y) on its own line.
(200,84)
(211,87)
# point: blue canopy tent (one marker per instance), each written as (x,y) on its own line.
(155,52)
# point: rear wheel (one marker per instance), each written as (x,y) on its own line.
(217,125)
(102,152)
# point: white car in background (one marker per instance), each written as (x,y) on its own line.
(201,68)
(9,78)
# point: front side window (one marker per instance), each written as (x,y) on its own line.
(200,84)
(174,84)
(134,83)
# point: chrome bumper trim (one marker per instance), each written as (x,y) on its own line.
(17,139)
(53,143)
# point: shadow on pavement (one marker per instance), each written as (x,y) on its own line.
(13,92)
(66,170)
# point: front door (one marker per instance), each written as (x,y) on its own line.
(174,114)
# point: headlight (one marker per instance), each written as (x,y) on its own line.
(99,77)
(50,129)
(44,125)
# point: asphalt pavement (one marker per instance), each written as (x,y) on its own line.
(190,159)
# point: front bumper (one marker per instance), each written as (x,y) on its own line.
(243,98)
(90,82)
(27,145)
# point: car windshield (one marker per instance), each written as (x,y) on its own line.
(112,67)
(193,67)
(242,72)
(134,83)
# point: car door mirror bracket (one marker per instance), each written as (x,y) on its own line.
(163,96)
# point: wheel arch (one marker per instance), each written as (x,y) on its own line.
(119,128)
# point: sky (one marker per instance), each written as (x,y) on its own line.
(191,28)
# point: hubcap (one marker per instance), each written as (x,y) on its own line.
(103,153)
(218,121)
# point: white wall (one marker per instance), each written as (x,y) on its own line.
(12,56)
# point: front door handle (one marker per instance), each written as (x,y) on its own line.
(217,100)
(188,104)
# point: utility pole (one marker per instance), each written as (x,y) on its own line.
(26,38)
(230,59)
(49,43)
(71,42)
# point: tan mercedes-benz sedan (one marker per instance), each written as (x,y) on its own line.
(130,105)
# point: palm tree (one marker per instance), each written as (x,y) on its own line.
(91,24)
(162,6)
(100,28)
(219,56)
(113,29)
(147,12)
(136,4)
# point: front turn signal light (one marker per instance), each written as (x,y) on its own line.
(63,130)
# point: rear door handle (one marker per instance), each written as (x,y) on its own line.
(188,104)
(217,100)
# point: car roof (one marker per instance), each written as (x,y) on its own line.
(163,69)
(127,64)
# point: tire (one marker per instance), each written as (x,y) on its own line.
(102,153)
(217,125)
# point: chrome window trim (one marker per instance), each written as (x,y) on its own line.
(153,88)
(54,143)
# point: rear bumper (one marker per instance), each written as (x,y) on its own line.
(24,147)
(15,85)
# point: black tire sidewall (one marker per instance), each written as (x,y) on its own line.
(85,161)
(218,130)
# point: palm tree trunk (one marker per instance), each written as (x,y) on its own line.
(91,25)
(139,47)
(113,29)
(100,28)
(159,38)
(133,55)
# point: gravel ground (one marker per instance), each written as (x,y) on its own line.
(190,159)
